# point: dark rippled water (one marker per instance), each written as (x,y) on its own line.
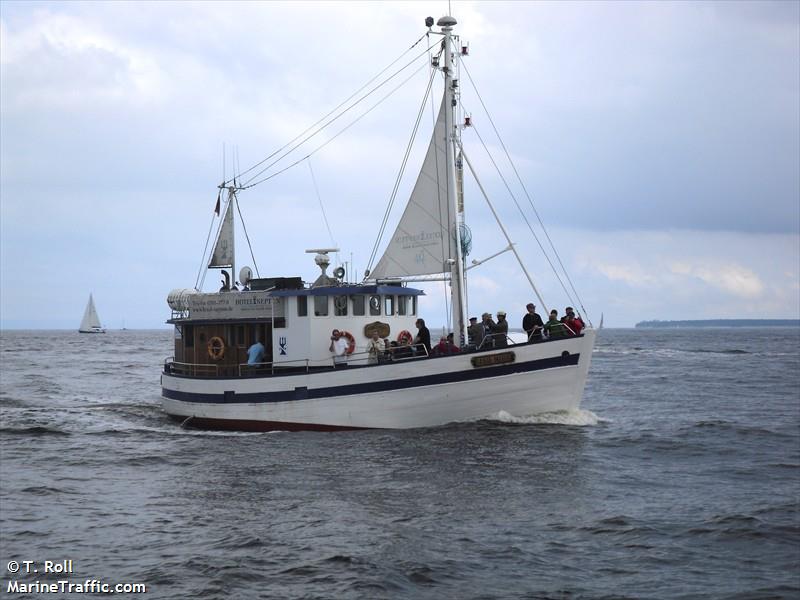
(680,478)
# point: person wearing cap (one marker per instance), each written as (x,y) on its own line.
(339,348)
(574,323)
(532,324)
(475,332)
(488,328)
(500,330)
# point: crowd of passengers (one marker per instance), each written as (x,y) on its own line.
(488,334)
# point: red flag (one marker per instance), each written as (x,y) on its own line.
(216,208)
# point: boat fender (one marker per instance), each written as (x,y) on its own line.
(216,348)
(404,336)
(351,341)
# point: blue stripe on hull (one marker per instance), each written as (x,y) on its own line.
(302,393)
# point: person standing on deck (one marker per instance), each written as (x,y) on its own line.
(475,332)
(555,328)
(375,348)
(423,338)
(532,324)
(338,346)
(500,330)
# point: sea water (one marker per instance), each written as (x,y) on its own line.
(678,478)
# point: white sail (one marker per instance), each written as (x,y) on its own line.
(91,321)
(223,250)
(422,242)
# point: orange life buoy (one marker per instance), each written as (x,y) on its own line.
(404,337)
(351,341)
(216,348)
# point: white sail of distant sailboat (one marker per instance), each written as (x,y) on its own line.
(421,244)
(91,321)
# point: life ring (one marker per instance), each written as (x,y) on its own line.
(351,341)
(216,348)
(404,337)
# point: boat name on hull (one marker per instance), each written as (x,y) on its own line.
(493,359)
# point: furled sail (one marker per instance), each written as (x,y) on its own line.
(422,242)
(223,250)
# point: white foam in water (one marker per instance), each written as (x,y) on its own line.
(575,416)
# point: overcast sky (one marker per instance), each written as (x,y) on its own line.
(660,143)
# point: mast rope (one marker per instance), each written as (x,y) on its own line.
(197,281)
(246,236)
(530,199)
(322,207)
(249,182)
(345,101)
(399,177)
(521,212)
(340,132)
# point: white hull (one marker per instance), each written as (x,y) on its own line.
(416,393)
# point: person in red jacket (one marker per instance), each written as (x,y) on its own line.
(574,323)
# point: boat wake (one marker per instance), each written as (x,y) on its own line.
(576,417)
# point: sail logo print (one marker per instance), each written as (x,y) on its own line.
(424,238)
(282,345)
(223,246)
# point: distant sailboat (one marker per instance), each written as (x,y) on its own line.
(91,322)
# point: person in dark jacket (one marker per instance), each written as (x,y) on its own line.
(500,330)
(423,337)
(532,324)
(475,332)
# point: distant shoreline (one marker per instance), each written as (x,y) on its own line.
(785,323)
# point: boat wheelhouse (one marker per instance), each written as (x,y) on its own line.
(213,331)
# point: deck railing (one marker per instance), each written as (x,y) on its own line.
(192,369)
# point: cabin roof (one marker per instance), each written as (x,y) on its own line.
(340,290)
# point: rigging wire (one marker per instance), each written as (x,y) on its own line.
(322,207)
(345,101)
(197,281)
(247,237)
(249,182)
(530,200)
(404,163)
(340,132)
(521,212)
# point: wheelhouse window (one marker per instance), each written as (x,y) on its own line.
(402,305)
(340,306)
(388,305)
(320,306)
(413,302)
(188,336)
(302,306)
(374,306)
(359,305)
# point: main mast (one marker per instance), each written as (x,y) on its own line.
(457,291)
